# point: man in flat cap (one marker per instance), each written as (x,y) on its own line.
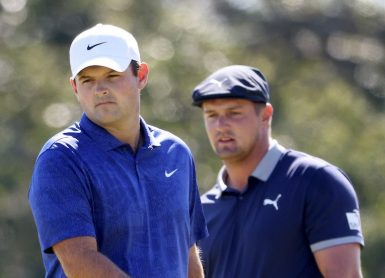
(273,212)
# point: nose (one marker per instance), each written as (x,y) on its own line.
(100,88)
(221,122)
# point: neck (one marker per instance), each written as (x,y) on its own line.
(128,133)
(237,176)
(238,172)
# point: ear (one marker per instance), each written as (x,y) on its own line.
(267,113)
(74,86)
(143,74)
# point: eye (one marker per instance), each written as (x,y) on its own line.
(113,75)
(85,80)
(210,115)
(235,113)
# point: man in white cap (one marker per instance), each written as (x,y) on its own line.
(111,195)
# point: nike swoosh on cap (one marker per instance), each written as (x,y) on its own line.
(89,47)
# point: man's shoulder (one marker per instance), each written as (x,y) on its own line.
(301,164)
(163,136)
(211,196)
(68,138)
(304,160)
(160,133)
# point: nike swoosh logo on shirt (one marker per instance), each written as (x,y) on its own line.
(169,174)
(89,47)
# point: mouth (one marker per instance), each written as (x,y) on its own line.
(225,140)
(104,103)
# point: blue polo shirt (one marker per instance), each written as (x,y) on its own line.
(143,208)
(294,205)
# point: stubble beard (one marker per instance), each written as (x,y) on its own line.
(226,152)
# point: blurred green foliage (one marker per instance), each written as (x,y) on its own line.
(325,62)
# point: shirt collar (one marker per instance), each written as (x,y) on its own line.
(108,142)
(269,161)
(261,172)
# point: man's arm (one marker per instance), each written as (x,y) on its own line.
(79,257)
(340,261)
(195,269)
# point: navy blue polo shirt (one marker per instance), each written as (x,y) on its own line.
(294,205)
(143,208)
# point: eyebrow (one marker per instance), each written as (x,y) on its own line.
(85,76)
(233,107)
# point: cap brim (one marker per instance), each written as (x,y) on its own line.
(114,63)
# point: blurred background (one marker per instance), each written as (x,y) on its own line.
(324,59)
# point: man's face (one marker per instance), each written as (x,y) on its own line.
(237,128)
(109,98)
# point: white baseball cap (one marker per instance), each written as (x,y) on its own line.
(103,45)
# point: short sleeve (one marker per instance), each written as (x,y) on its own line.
(332,210)
(59,198)
(197,219)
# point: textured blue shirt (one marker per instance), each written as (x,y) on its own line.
(143,208)
(295,204)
